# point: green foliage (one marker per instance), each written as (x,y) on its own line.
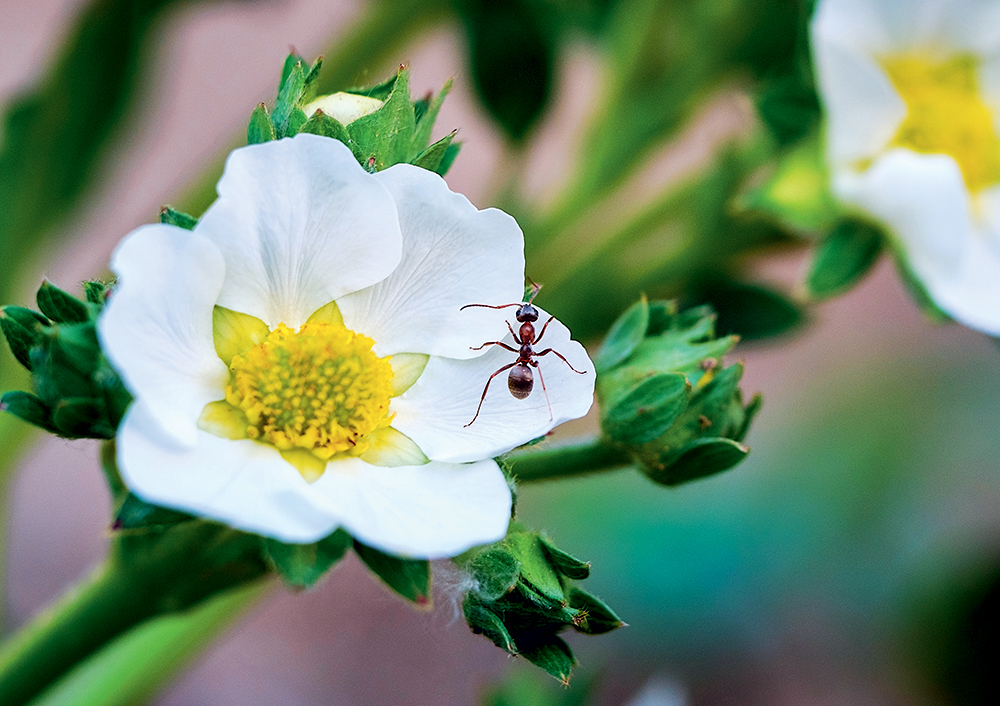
(843,257)
(76,391)
(512,56)
(666,400)
(173,217)
(521,598)
(752,311)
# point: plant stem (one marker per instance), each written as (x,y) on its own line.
(566,461)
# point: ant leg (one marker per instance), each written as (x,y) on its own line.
(541,377)
(491,306)
(550,350)
(517,340)
(486,389)
(539,338)
(493,343)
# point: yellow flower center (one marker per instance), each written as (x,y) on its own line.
(946,114)
(321,389)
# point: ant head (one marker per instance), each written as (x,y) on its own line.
(526,312)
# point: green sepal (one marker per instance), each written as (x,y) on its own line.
(449,158)
(554,656)
(430,159)
(291,60)
(60,306)
(596,618)
(325,126)
(698,459)
(496,573)
(288,99)
(563,563)
(410,578)
(96,292)
(260,129)
(135,513)
(483,621)
(380,91)
(81,417)
(385,135)
(172,217)
(624,336)
(22,328)
(648,410)
(843,258)
(295,122)
(302,565)
(311,82)
(536,570)
(425,114)
(29,408)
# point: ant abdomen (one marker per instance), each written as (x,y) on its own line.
(520,381)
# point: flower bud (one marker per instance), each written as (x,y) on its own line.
(664,396)
(345,108)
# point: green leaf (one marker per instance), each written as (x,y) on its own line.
(387,133)
(648,410)
(136,513)
(61,306)
(565,564)
(29,408)
(751,410)
(410,578)
(173,217)
(496,572)
(699,459)
(430,159)
(624,336)
(260,129)
(425,123)
(95,292)
(291,60)
(311,83)
(843,257)
(21,328)
(302,565)
(597,618)
(751,311)
(288,99)
(789,109)
(512,57)
(554,656)
(325,126)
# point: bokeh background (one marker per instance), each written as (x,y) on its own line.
(852,559)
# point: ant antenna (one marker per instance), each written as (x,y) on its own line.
(535,287)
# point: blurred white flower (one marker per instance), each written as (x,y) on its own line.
(911,90)
(300,362)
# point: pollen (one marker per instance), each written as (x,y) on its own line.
(946,114)
(321,389)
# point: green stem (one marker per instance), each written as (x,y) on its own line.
(591,456)
(109,603)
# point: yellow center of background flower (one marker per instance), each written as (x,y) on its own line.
(946,114)
(321,389)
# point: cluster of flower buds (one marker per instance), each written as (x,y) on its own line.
(380,124)
(665,397)
(77,394)
(521,598)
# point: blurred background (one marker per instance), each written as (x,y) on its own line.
(854,558)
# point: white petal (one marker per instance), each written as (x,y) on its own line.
(863,110)
(157,326)
(453,254)
(299,223)
(923,200)
(345,108)
(435,510)
(431,511)
(436,409)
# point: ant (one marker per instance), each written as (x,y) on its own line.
(521,381)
